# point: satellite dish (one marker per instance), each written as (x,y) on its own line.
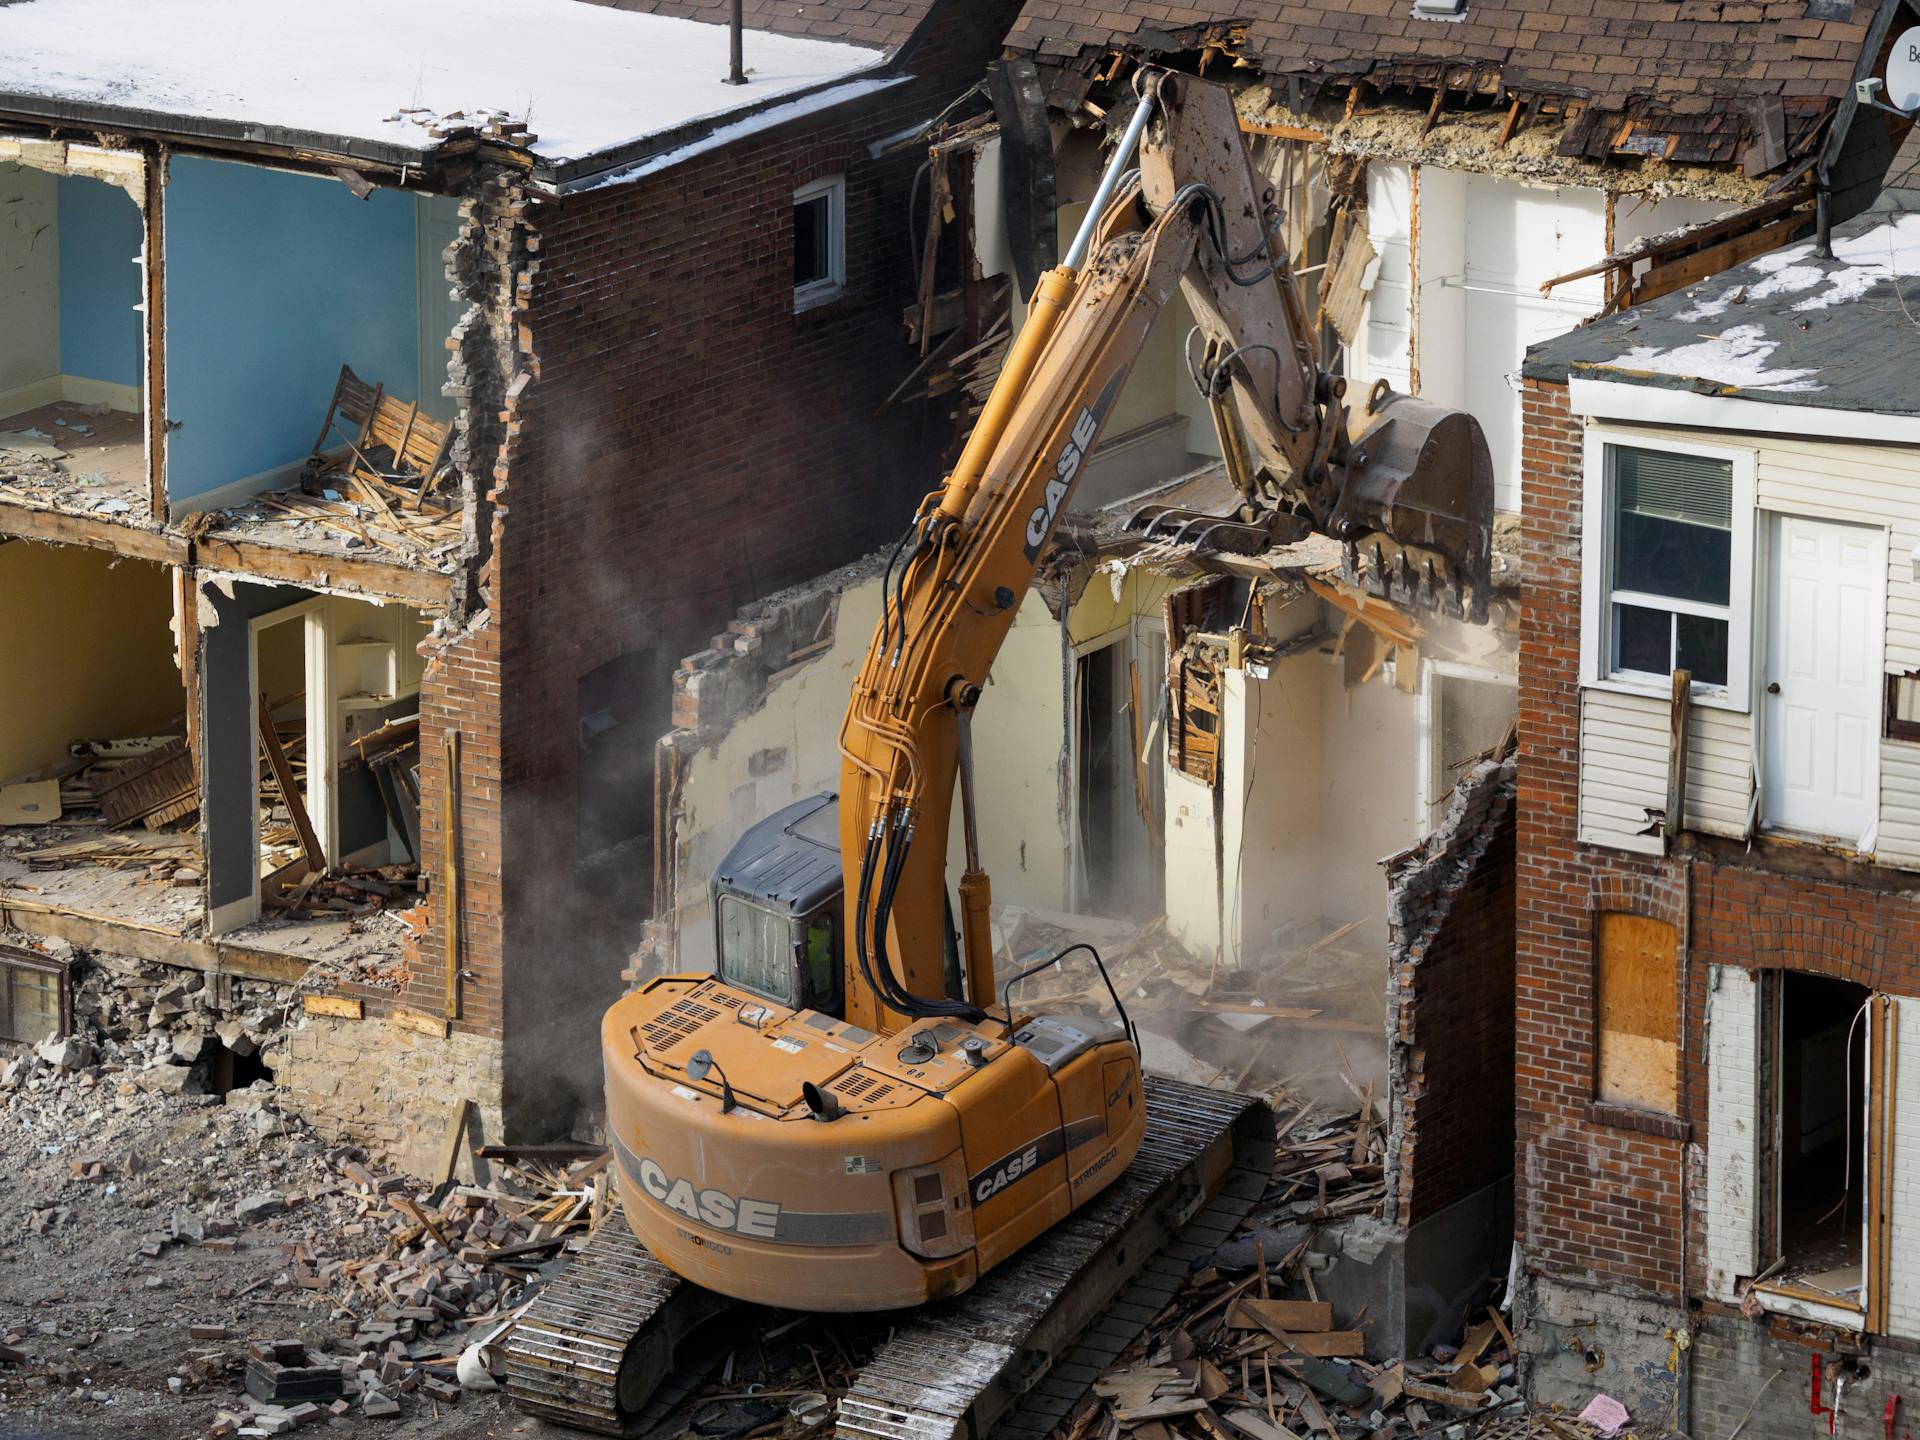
(1903,71)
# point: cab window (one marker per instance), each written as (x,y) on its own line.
(756,949)
(823,960)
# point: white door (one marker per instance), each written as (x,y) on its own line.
(1821,706)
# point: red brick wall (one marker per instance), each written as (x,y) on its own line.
(687,444)
(1593,1199)
(1600,1190)
(1456,1030)
(460,691)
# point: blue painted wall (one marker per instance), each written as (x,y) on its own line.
(99,281)
(274,281)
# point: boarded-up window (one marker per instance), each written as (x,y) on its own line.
(1638,1058)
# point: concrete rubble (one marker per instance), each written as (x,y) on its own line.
(188,1262)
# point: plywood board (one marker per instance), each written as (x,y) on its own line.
(1638,1011)
(31,802)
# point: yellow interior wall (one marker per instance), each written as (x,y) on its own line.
(86,651)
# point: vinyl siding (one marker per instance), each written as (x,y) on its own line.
(1623,769)
(1624,738)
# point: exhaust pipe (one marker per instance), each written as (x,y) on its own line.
(736,66)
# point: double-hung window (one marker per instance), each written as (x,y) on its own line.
(1669,566)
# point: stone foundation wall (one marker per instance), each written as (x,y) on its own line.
(394,1090)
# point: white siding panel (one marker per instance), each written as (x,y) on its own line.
(1623,769)
(1899,842)
(1719,772)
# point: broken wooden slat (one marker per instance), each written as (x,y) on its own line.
(289,792)
(1281,1316)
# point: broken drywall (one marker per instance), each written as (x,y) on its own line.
(124,169)
(1471,141)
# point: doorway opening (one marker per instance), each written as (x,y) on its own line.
(1820,1168)
(1118,776)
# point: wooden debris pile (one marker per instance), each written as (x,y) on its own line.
(450,1270)
(379,479)
(1327,1166)
(1234,1360)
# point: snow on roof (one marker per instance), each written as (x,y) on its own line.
(1789,326)
(586,79)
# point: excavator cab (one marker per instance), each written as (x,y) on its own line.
(776,908)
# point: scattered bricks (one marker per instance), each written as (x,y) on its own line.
(378,1407)
(445,1391)
(339,1409)
(221,1227)
(278,1371)
(220,1247)
(305,1413)
(207,1332)
(255,1208)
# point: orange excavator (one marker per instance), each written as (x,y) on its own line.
(849,1115)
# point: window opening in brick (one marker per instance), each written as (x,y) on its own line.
(819,245)
(34,1003)
(623,707)
(1638,1013)
(1820,1104)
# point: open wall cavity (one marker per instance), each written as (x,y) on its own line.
(310,746)
(72,348)
(86,655)
(274,281)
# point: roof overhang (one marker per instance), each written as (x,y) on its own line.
(1600,399)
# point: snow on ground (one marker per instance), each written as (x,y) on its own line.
(585,78)
(1733,357)
(1887,251)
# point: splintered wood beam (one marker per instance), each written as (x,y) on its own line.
(1511,126)
(289,791)
(1354,92)
(1283,132)
(1679,729)
(1433,110)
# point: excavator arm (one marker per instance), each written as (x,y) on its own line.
(1411,497)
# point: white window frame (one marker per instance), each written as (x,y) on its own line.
(834,189)
(1597,596)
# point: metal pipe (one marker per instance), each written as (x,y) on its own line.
(1109,182)
(736,25)
(969,826)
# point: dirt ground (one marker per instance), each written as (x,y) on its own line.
(104,1325)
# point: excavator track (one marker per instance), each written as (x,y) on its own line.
(1021,1348)
(1013,1354)
(596,1344)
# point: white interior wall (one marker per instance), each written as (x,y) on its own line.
(1382,349)
(1018,730)
(1369,768)
(1486,246)
(1318,784)
(29,286)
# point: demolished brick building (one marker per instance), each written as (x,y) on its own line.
(582,382)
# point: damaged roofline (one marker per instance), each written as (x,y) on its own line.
(173,129)
(653,153)
(1669,400)
(553,178)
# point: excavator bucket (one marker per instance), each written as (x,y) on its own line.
(1416,511)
